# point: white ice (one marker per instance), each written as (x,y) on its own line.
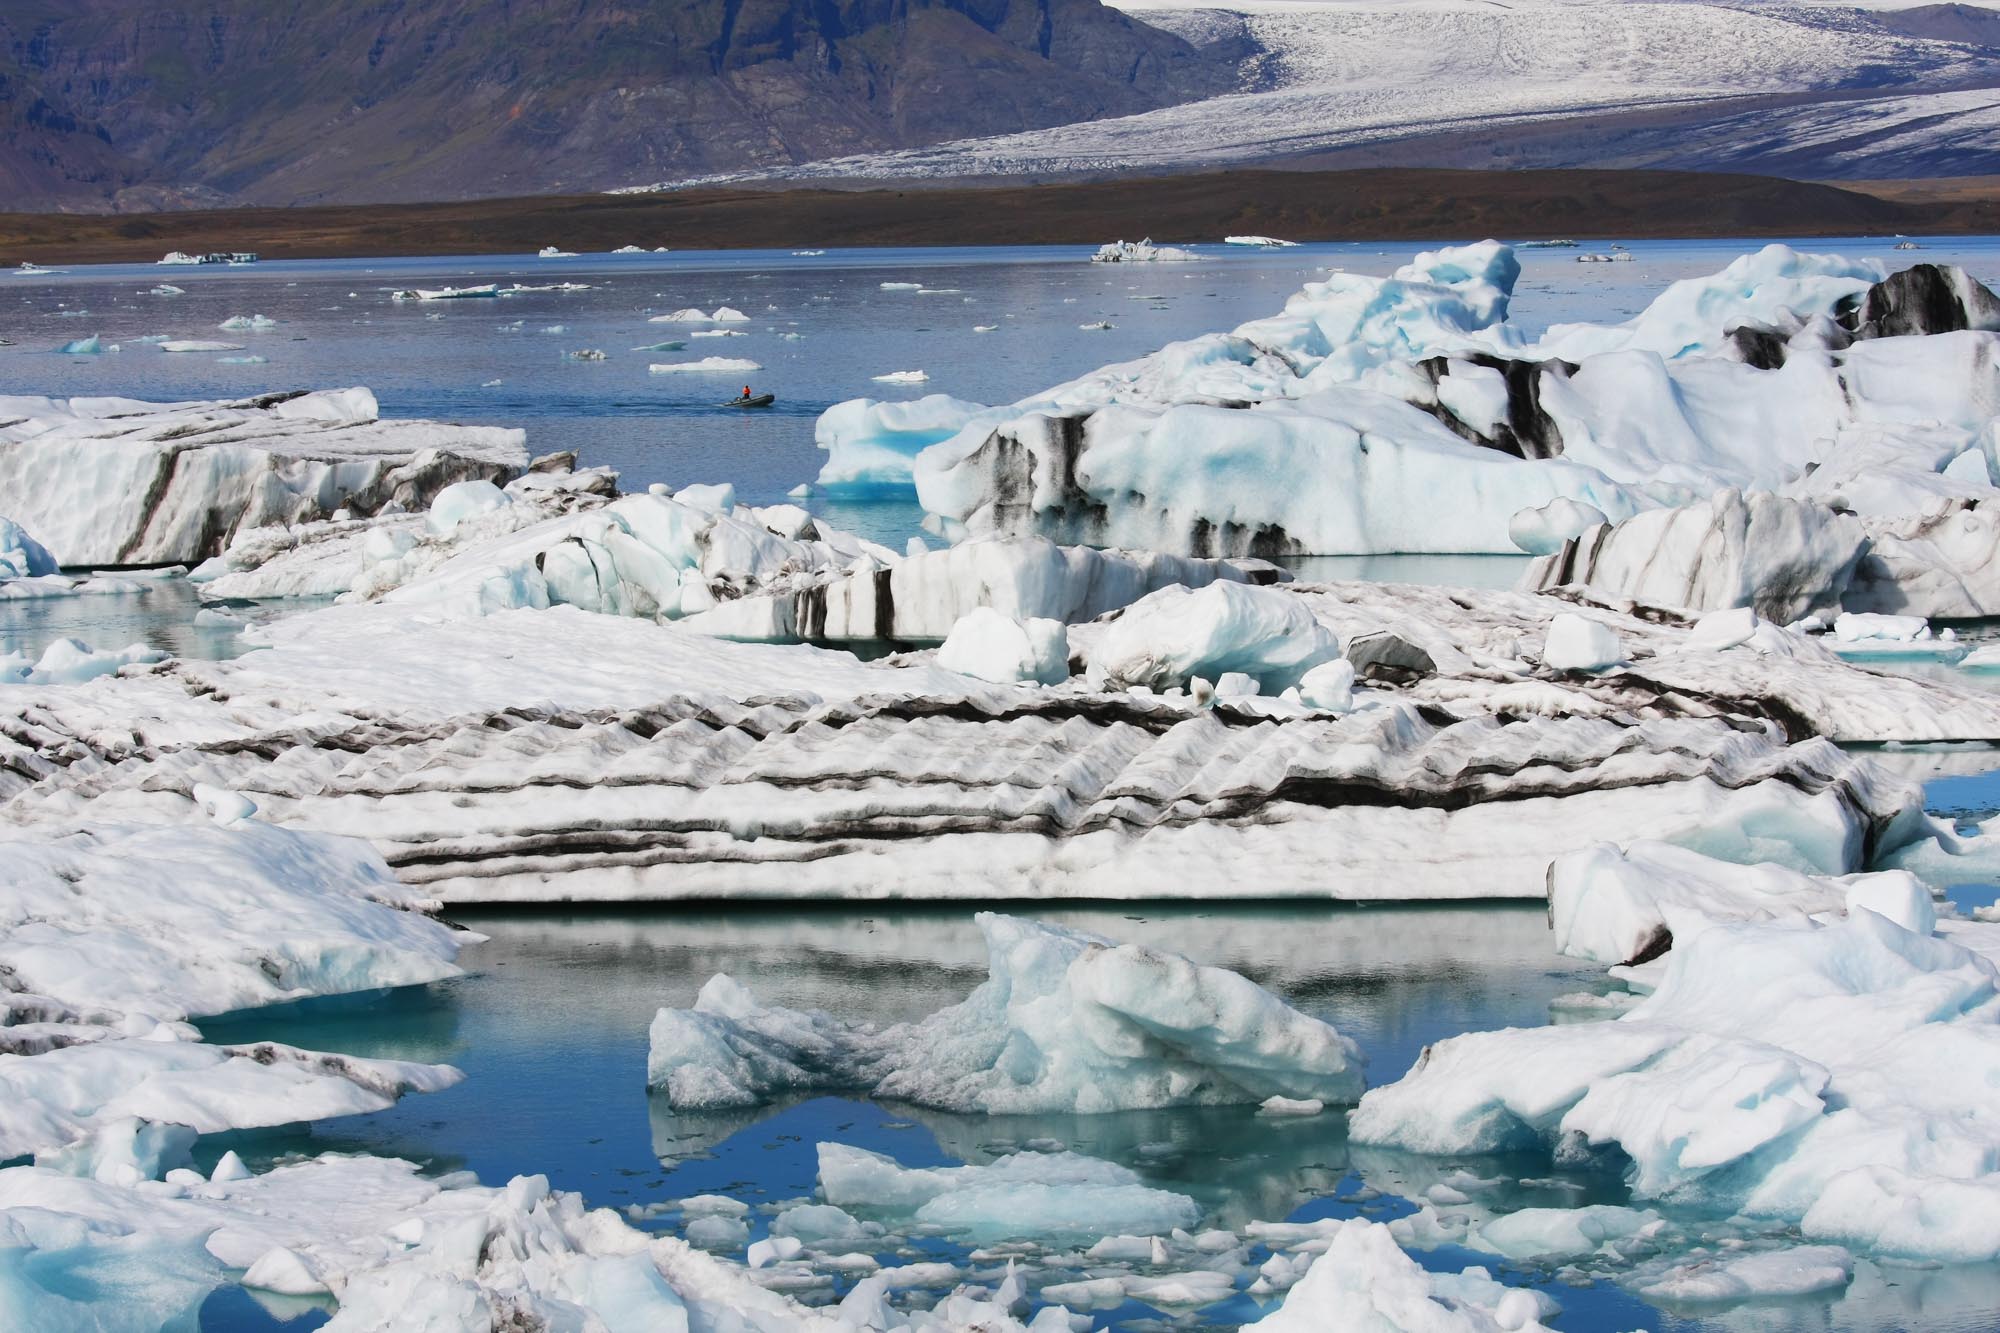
(1064,1022)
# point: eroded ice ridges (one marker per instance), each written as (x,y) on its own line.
(536,754)
(104,481)
(1373,408)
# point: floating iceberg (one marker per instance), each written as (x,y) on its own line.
(870,445)
(1630,905)
(1027,1195)
(1141,252)
(90,346)
(71,662)
(708,365)
(1265,242)
(1807,1073)
(924,596)
(1413,396)
(902,377)
(116,481)
(114,934)
(1364,1282)
(758,771)
(692,315)
(480,292)
(197,345)
(247,323)
(554,252)
(1064,1022)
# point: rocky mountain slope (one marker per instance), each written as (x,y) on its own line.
(106,104)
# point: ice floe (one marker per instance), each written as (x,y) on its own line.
(112,935)
(1141,252)
(1806,1069)
(708,365)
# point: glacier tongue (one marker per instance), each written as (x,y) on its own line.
(117,481)
(1065,1022)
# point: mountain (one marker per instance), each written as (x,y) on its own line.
(1784,87)
(108,104)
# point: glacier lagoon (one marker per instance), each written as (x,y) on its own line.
(556,1008)
(823,327)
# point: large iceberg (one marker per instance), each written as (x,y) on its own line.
(106,481)
(1065,1022)
(1372,407)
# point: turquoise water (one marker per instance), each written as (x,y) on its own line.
(550,1029)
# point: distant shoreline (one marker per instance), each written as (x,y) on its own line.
(1375,204)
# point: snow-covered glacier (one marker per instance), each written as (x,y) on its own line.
(115,481)
(1373,408)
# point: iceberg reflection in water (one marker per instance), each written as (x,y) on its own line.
(551,1031)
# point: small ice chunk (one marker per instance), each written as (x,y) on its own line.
(225,807)
(1723,629)
(1279,1106)
(284,1272)
(818,1222)
(1576,643)
(1329,686)
(717,1233)
(462,500)
(775,1249)
(1855,627)
(991,645)
(1543,529)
